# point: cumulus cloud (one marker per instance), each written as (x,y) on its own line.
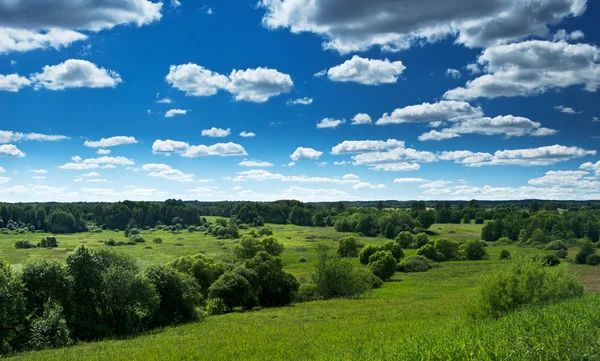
(300,101)
(409,180)
(361,118)
(595,167)
(366,71)
(435,184)
(13,82)
(563,35)
(363,185)
(95,163)
(400,24)
(567,110)
(10,150)
(255,163)
(427,113)
(165,171)
(531,68)
(110,142)
(39,171)
(2,170)
(103,151)
(91,174)
(305,153)
(75,73)
(164,101)
(330,123)
(396,167)
(525,157)
(378,152)
(10,136)
(361,146)
(245,134)
(565,179)
(173,112)
(168,147)
(264,175)
(216,132)
(453,73)
(4,180)
(252,85)
(29,25)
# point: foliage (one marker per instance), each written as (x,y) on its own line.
(556,245)
(23,244)
(429,251)
(272,246)
(383,265)
(593,259)
(204,270)
(12,309)
(347,247)
(475,250)
(562,253)
(50,329)
(234,290)
(366,252)
(415,264)
(394,248)
(586,248)
(448,248)
(405,239)
(505,254)
(274,287)
(390,231)
(524,282)
(48,242)
(420,240)
(45,281)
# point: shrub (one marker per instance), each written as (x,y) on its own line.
(479,220)
(157,240)
(504,241)
(347,247)
(366,252)
(216,306)
(420,240)
(556,245)
(234,290)
(265,231)
(204,270)
(23,244)
(308,292)
(524,282)
(48,242)
(593,259)
(505,254)
(110,242)
(415,264)
(430,252)
(45,281)
(394,248)
(273,286)
(447,247)
(302,259)
(383,265)
(562,253)
(191,229)
(475,250)
(178,293)
(12,308)
(585,249)
(550,260)
(138,239)
(272,246)
(405,239)
(50,329)
(390,231)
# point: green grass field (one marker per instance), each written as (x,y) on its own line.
(415,316)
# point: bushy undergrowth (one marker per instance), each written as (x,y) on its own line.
(525,281)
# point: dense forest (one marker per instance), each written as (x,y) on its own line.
(522,221)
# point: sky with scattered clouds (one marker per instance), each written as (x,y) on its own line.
(316,100)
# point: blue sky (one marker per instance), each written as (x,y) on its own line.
(105,101)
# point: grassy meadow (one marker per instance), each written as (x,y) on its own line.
(416,316)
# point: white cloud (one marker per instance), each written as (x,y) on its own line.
(565,179)
(453,73)
(435,184)
(366,71)
(567,110)
(4,180)
(396,167)
(525,157)
(103,151)
(409,180)
(76,159)
(361,118)
(216,132)
(167,147)
(21,40)
(79,166)
(562,35)
(10,150)
(473,68)
(245,134)
(531,68)
(175,3)
(595,119)
(291,164)
(75,73)
(12,82)
(255,163)
(253,85)
(340,163)
(305,153)
(95,163)
(321,164)
(9,136)
(92,174)
(110,142)
(400,24)
(164,101)
(40,171)
(2,170)
(264,175)
(330,123)
(427,113)
(173,112)
(172,174)
(363,185)
(108,166)
(507,125)
(595,167)
(300,101)
(361,146)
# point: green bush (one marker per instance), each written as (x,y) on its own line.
(556,245)
(265,231)
(347,247)
(48,242)
(550,260)
(383,265)
(475,250)
(157,240)
(366,252)
(308,292)
(586,248)
(415,264)
(216,306)
(23,244)
(204,270)
(505,254)
(234,290)
(50,329)
(524,282)
(593,259)
(562,253)
(429,251)
(137,239)
(405,239)
(12,309)
(447,247)
(272,246)
(272,284)
(45,281)
(420,240)
(302,259)
(394,248)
